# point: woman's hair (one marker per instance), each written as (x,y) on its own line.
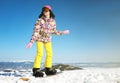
(51,14)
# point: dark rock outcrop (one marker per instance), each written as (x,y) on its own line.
(64,67)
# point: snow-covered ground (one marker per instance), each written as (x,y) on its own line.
(88,75)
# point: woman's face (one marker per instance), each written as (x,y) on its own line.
(46,12)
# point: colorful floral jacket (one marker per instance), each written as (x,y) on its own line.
(43,30)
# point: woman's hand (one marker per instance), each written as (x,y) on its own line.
(29,45)
(66,32)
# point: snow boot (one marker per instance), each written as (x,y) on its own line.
(50,71)
(37,72)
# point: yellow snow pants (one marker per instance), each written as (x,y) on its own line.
(39,54)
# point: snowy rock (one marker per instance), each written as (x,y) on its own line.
(64,67)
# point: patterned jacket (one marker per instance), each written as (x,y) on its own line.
(43,30)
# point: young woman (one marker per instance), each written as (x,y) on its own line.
(45,26)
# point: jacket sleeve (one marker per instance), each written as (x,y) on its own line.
(36,30)
(54,31)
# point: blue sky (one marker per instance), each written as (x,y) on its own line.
(94,30)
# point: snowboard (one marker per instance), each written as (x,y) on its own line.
(45,76)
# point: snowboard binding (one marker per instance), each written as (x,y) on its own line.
(37,72)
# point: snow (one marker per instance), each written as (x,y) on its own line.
(88,75)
